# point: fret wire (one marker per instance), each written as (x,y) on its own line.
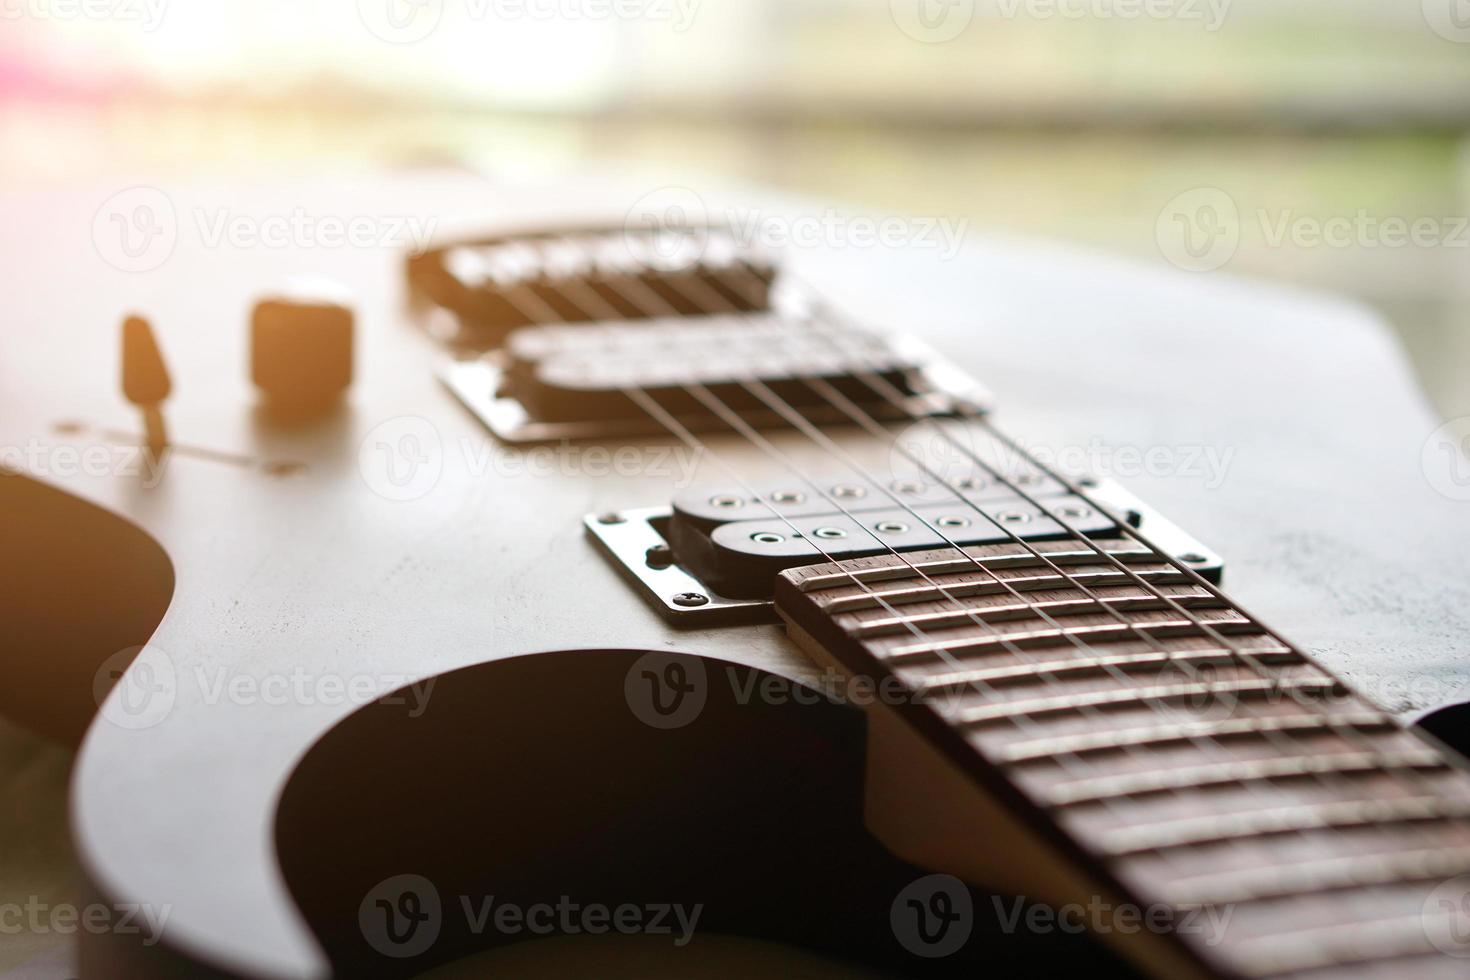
(1125,682)
(784,409)
(1141,839)
(1108,741)
(1280,739)
(884,388)
(656,411)
(842,403)
(876,382)
(732,418)
(861,584)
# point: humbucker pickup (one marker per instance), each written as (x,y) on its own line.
(495,285)
(742,558)
(563,373)
(738,543)
(590,334)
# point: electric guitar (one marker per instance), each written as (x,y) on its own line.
(645,588)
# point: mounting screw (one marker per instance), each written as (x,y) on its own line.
(1194,558)
(691,599)
(612,518)
(659,556)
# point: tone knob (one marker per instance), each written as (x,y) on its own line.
(301,346)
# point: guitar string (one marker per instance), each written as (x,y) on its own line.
(619,315)
(1023,723)
(1348,789)
(706,397)
(1229,604)
(1166,857)
(1348,733)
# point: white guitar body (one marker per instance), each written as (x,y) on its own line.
(1282,429)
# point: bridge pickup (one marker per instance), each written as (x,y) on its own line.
(490,287)
(568,373)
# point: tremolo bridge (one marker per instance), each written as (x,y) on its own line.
(617,333)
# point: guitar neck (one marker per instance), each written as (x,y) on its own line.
(1164,747)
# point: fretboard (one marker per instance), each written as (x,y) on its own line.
(1197,767)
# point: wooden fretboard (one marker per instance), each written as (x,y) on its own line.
(1180,769)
